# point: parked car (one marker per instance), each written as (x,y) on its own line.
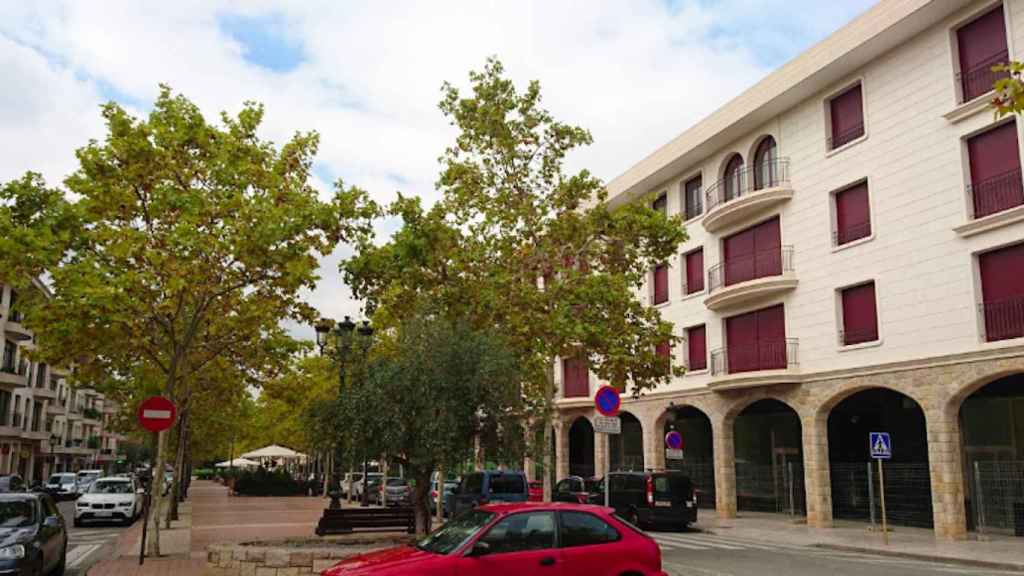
(35,540)
(449,487)
(86,477)
(396,491)
(62,486)
(657,499)
(109,499)
(535,491)
(357,486)
(347,482)
(479,488)
(519,539)
(12,483)
(579,490)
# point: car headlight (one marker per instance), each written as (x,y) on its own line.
(127,503)
(82,504)
(11,552)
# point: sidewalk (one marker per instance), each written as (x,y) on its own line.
(992,551)
(209,516)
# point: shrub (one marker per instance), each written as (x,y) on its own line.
(267,483)
(205,473)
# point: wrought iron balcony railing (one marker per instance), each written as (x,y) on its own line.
(979,79)
(761,355)
(996,194)
(1004,319)
(760,264)
(846,136)
(770,174)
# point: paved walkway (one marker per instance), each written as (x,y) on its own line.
(993,551)
(211,515)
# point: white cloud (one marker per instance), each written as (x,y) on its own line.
(635,73)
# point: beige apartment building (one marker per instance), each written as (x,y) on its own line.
(855,264)
(45,424)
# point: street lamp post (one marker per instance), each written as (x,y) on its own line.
(54,440)
(342,334)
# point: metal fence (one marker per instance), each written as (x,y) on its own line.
(767,488)
(856,493)
(998,497)
(702,474)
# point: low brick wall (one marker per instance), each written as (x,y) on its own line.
(292,558)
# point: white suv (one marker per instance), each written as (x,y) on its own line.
(109,499)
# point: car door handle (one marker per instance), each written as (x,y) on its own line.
(547,561)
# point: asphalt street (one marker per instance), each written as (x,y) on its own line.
(704,554)
(88,544)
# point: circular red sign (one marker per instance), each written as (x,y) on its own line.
(157,413)
(607,400)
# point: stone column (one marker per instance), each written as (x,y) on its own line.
(946,471)
(725,467)
(817,475)
(600,454)
(654,444)
(561,450)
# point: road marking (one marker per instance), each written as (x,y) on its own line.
(80,553)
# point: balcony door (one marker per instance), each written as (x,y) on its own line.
(754,253)
(757,340)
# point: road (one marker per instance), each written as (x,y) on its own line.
(88,544)
(695,553)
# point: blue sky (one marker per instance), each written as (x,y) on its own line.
(367,75)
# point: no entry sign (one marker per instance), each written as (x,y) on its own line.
(157,413)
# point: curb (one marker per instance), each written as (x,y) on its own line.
(919,556)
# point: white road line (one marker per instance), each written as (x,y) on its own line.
(677,545)
(80,553)
(694,541)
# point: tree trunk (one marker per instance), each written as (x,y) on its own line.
(549,393)
(179,465)
(440,494)
(156,488)
(420,502)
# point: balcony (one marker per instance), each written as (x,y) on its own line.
(997,194)
(44,392)
(759,364)
(13,375)
(980,79)
(14,327)
(845,137)
(1003,319)
(733,200)
(92,415)
(760,275)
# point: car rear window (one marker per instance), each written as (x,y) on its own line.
(474,484)
(672,484)
(507,484)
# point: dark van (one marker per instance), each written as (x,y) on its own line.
(487,487)
(653,499)
(579,490)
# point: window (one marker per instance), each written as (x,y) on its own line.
(696,348)
(1002,292)
(860,315)
(522,532)
(846,115)
(691,198)
(853,214)
(660,204)
(565,485)
(995,170)
(981,44)
(582,529)
(575,378)
(507,484)
(660,284)
(753,253)
(473,484)
(756,340)
(733,178)
(694,281)
(766,166)
(10,350)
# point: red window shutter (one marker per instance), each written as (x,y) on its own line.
(860,315)
(664,350)
(771,338)
(847,116)
(754,253)
(981,44)
(853,214)
(741,342)
(575,378)
(739,257)
(1002,292)
(697,350)
(757,340)
(995,170)
(695,271)
(661,283)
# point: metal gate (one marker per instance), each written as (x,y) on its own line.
(998,493)
(771,488)
(856,493)
(702,474)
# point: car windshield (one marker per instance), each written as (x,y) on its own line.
(449,537)
(396,481)
(111,487)
(55,479)
(16,513)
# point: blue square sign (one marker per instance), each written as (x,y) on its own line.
(880,445)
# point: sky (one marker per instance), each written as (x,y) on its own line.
(367,76)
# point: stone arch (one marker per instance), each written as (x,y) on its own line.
(695,424)
(626,450)
(581,448)
(768,442)
(951,406)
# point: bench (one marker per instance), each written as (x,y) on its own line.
(346,520)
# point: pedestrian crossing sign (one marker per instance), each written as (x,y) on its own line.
(880,445)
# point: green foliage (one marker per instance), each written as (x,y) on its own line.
(263,482)
(205,473)
(1009,97)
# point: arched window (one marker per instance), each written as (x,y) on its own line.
(734,177)
(766,169)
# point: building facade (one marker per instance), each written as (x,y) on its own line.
(855,264)
(46,425)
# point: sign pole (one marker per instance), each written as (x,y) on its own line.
(881,493)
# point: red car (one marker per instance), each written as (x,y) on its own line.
(535,492)
(557,539)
